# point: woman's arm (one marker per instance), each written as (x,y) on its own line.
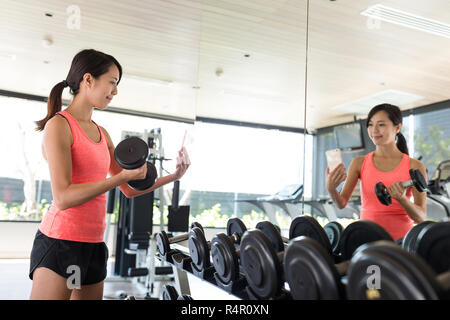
(417,211)
(115,169)
(57,148)
(337,176)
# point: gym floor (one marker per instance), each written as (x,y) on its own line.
(15,284)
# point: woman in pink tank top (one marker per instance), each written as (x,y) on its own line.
(80,154)
(390,164)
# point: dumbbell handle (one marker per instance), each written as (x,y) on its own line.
(342,267)
(444,280)
(407,184)
(181,237)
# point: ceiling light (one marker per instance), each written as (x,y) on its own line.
(157,82)
(408,20)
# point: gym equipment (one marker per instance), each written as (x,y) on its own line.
(311,272)
(200,249)
(417,180)
(263,266)
(170,293)
(334,230)
(358,233)
(164,242)
(309,227)
(401,275)
(410,238)
(433,245)
(132,153)
(225,250)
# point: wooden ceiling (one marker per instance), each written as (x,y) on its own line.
(241,60)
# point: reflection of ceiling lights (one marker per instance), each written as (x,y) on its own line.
(406,19)
(157,82)
(362,106)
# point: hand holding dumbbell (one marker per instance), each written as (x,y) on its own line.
(131,154)
(395,191)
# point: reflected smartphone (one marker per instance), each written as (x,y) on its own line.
(334,158)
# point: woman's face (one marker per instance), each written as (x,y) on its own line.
(104,88)
(381,129)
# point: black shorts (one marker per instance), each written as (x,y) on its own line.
(89,259)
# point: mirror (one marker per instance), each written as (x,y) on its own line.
(363,53)
(249,110)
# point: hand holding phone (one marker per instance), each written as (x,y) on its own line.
(334,158)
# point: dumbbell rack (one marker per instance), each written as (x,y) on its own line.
(180,260)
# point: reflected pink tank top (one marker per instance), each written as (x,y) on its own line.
(90,162)
(393,218)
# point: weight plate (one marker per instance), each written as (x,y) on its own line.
(261,265)
(418,179)
(334,231)
(198,225)
(309,227)
(162,241)
(131,153)
(149,180)
(225,258)
(169,293)
(236,226)
(358,233)
(383,196)
(433,245)
(399,242)
(310,271)
(272,233)
(409,241)
(198,248)
(402,276)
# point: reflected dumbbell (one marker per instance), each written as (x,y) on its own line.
(132,153)
(396,274)
(170,293)
(417,180)
(163,241)
(334,231)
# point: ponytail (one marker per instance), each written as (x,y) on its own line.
(86,61)
(54,104)
(401,143)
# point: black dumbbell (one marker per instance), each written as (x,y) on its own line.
(409,240)
(170,293)
(307,265)
(432,244)
(200,249)
(225,250)
(334,231)
(263,265)
(163,241)
(417,180)
(262,255)
(401,275)
(132,153)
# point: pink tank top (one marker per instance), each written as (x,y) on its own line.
(393,218)
(90,162)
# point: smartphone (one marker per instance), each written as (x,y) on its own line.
(334,158)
